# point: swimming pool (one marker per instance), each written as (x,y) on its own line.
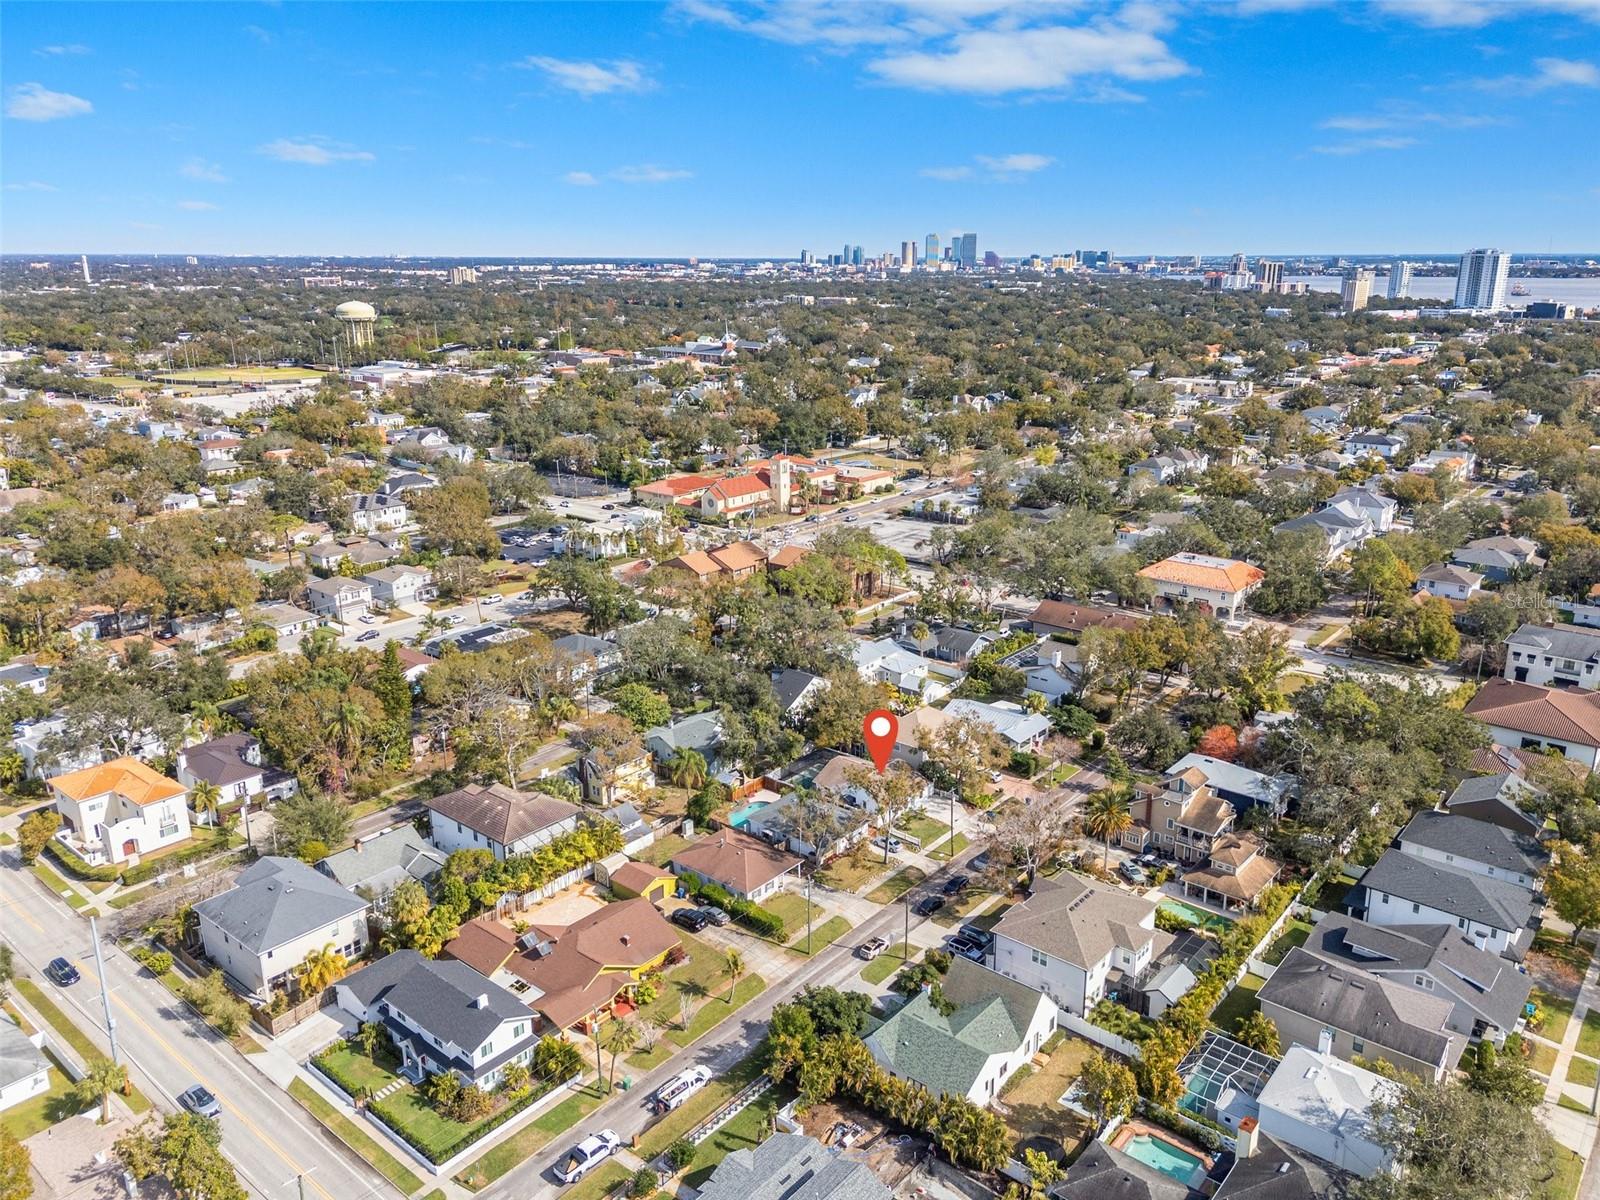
(1197,916)
(1165,1157)
(740,817)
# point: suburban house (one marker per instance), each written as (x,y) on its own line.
(587,657)
(1075,940)
(744,867)
(369,513)
(119,810)
(278,912)
(1018,728)
(617,777)
(342,599)
(1339,529)
(1405,889)
(796,691)
(1318,1103)
(834,779)
(376,865)
(24,1070)
(1554,656)
(395,586)
(1449,582)
(948,643)
(1349,1012)
(1073,620)
(995,1028)
(1215,585)
(25,677)
(1477,846)
(233,763)
(1498,799)
(1181,819)
(796,820)
(1056,678)
(1370,442)
(886,661)
(573,975)
(1366,501)
(285,620)
(1487,990)
(441,1016)
(791,1166)
(1500,558)
(913,725)
(1239,786)
(498,819)
(1164,468)
(700,732)
(1525,716)
(1236,871)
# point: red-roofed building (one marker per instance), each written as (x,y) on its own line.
(735,495)
(673,490)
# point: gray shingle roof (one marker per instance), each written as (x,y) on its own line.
(1078,921)
(386,860)
(19,1058)
(791,1166)
(277,900)
(1497,799)
(1368,1007)
(788,685)
(1478,898)
(1478,841)
(1102,1173)
(1559,641)
(222,760)
(438,996)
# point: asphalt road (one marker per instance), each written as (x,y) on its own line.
(266,1135)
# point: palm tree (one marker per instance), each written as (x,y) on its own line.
(101,1079)
(344,731)
(620,1038)
(13,767)
(687,769)
(1106,815)
(204,798)
(733,968)
(431,624)
(556,708)
(320,970)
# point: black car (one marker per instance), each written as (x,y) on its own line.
(955,883)
(61,972)
(691,919)
(981,938)
(928,905)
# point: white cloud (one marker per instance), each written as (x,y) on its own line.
(650,173)
(591,78)
(1549,73)
(30,185)
(1016,164)
(313,152)
(261,35)
(947,174)
(579,179)
(35,102)
(1362,145)
(1435,14)
(205,172)
(1402,117)
(72,49)
(995,62)
(197,206)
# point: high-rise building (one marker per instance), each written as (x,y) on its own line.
(1357,289)
(908,254)
(1238,265)
(461,275)
(1481,279)
(967,255)
(930,247)
(805,258)
(1095,259)
(1269,274)
(1399,280)
(83,261)
(991,260)
(856,257)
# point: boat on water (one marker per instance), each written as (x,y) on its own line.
(1519,289)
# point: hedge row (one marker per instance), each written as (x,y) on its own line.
(77,866)
(173,862)
(752,916)
(487,1126)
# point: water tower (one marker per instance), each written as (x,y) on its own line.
(359,320)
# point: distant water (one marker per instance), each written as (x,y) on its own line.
(1585,293)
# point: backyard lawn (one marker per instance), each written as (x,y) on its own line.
(887,963)
(1237,1004)
(533,1136)
(660,851)
(1294,934)
(1033,1106)
(897,885)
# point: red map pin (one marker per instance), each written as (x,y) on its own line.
(880,729)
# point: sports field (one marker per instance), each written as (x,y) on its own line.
(222,376)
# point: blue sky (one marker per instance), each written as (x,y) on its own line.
(720,127)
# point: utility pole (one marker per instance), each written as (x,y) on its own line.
(808,914)
(905,942)
(105,990)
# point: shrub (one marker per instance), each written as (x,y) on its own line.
(482,1130)
(205,848)
(35,833)
(78,867)
(157,962)
(753,917)
(471,1103)
(644,1181)
(680,1154)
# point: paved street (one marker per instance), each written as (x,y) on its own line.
(266,1135)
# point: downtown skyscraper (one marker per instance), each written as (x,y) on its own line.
(1481,279)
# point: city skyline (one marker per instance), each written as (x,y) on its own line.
(673,130)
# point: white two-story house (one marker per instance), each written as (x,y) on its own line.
(1554,656)
(1477,846)
(369,512)
(1407,889)
(119,810)
(499,819)
(1068,938)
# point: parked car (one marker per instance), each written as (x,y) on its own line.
(200,1101)
(581,1159)
(872,947)
(1132,872)
(369,620)
(1149,859)
(966,948)
(61,972)
(493,598)
(955,883)
(980,863)
(894,844)
(680,1087)
(691,919)
(367,635)
(928,905)
(715,915)
(982,938)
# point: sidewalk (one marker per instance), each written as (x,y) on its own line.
(1573,1128)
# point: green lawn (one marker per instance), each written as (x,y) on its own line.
(352,1135)
(533,1136)
(925,829)
(822,936)
(887,963)
(1565,1101)
(746,1130)
(1557,1012)
(1583,1071)
(58,885)
(897,885)
(432,1130)
(700,1106)
(1541,1058)
(1237,1004)
(1569,1174)
(361,1071)
(850,872)
(602,1181)
(660,851)
(46,1109)
(791,906)
(73,1036)
(699,975)
(950,847)
(1589,1035)
(717,1010)
(1294,934)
